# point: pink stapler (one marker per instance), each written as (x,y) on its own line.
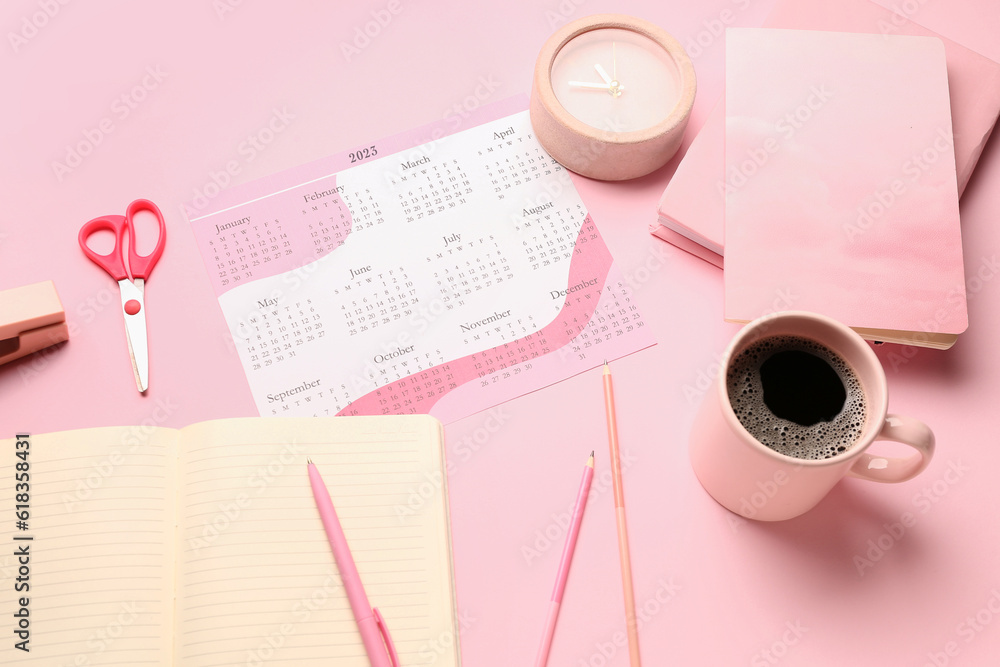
(31,318)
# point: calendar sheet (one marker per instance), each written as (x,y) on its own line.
(432,272)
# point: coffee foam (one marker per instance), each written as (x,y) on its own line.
(822,440)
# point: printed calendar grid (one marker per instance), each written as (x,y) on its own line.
(386,287)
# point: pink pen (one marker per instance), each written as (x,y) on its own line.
(374,634)
(564,563)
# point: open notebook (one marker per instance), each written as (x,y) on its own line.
(203,546)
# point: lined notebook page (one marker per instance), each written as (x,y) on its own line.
(101,559)
(256,577)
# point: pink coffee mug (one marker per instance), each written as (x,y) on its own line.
(758,482)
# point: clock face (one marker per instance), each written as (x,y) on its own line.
(616,80)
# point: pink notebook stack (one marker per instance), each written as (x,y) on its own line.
(840,182)
(691,210)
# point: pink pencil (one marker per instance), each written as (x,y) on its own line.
(564,562)
(631,625)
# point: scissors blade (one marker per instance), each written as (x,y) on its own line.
(135,331)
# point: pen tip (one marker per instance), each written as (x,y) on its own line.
(309,461)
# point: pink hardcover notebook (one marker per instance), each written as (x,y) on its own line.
(841,194)
(691,210)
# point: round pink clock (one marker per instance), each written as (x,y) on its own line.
(611,96)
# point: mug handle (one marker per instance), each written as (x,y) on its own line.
(908,431)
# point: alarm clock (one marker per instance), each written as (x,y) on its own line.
(611,96)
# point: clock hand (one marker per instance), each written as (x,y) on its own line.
(604,75)
(595,86)
(614,87)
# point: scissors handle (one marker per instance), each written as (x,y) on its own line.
(112,262)
(141,265)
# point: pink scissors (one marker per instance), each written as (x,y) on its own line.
(133,306)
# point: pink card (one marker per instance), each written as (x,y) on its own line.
(691,211)
(841,193)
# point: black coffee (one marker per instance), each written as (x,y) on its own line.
(797,396)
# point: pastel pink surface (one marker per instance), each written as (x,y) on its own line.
(831,196)
(710,589)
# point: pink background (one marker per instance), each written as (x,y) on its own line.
(716,590)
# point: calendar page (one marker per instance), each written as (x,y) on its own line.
(432,272)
